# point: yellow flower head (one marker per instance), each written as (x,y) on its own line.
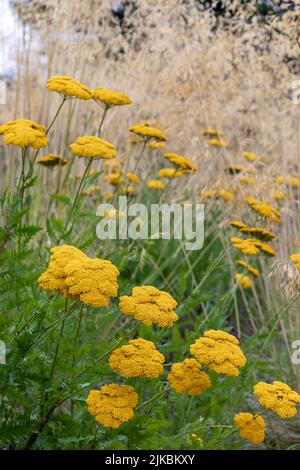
(244,281)
(112,405)
(182,162)
(110,97)
(69,87)
(208,194)
(148,132)
(188,376)
(249,268)
(156,184)
(93,281)
(278,195)
(246,181)
(24,133)
(237,224)
(252,428)
(54,277)
(115,179)
(220,352)
(247,247)
(157,145)
(212,133)
(169,173)
(137,359)
(251,157)
(264,209)
(264,247)
(52,160)
(226,195)
(296,259)
(133,178)
(292,181)
(278,397)
(129,190)
(258,232)
(219,143)
(93,147)
(150,306)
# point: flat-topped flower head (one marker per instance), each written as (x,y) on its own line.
(54,277)
(52,160)
(251,427)
(296,259)
(93,281)
(150,306)
(258,232)
(278,195)
(264,247)
(148,132)
(90,146)
(170,173)
(68,87)
(139,358)
(292,181)
(250,156)
(110,97)
(237,224)
(220,352)
(188,377)
(179,160)
(24,133)
(115,179)
(264,209)
(212,133)
(156,184)
(278,397)
(226,195)
(243,280)
(157,145)
(249,268)
(215,142)
(112,405)
(247,181)
(247,246)
(133,178)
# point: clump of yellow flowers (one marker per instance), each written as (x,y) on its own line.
(24,133)
(156,184)
(69,87)
(110,97)
(90,146)
(52,160)
(136,359)
(278,397)
(148,132)
(188,376)
(180,161)
(252,427)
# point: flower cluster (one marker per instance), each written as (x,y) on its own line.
(69,87)
(24,133)
(182,162)
(264,209)
(156,184)
(188,376)
(243,280)
(148,132)
(110,97)
(90,146)
(278,397)
(252,427)
(52,160)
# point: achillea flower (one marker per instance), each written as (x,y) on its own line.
(133,178)
(148,132)
(296,259)
(235,169)
(278,195)
(139,358)
(115,179)
(182,162)
(212,133)
(219,143)
(129,190)
(250,156)
(249,268)
(209,194)
(156,184)
(247,247)
(93,281)
(292,181)
(188,376)
(69,87)
(113,214)
(112,405)
(90,146)
(220,352)
(251,427)
(108,195)
(278,397)
(267,249)
(244,281)
(157,145)
(169,173)
(264,209)
(24,133)
(110,97)
(52,160)
(54,277)
(226,195)
(258,232)
(150,306)
(237,224)
(246,181)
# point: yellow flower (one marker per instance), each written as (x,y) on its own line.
(156,184)
(278,195)
(249,268)
(278,397)
(148,132)
(209,194)
(220,352)
(237,224)
(226,195)
(182,162)
(219,143)
(247,247)
(246,181)
(150,306)
(264,209)
(243,280)
(267,249)
(24,133)
(129,190)
(113,213)
(68,86)
(133,178)
(137,359)
(252,427)
(212,133)
(250,156)
(157,145)
(108,195)
(93,281)
(169,173)
(296,259)
(93,147)
(110,97)
(258,232)
(52,160)
(112,405)
(292,181)
(114,179)
(54,277)
(188,376)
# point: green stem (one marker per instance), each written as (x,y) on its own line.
(158,395)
